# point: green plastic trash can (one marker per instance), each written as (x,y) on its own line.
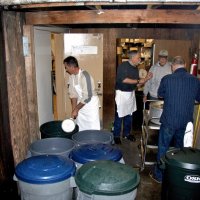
(181,179)
(106,180)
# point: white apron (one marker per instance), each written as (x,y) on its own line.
(88,115)
(126,103)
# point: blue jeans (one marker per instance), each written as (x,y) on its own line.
(166,135)
(127,125)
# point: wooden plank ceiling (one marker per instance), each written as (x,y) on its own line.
(126,14)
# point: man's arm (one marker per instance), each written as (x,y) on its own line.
(147,86)
(73,103)
(161,89)
(76,110)
(86,87)
(138,81)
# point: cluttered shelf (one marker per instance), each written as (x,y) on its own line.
(145,46)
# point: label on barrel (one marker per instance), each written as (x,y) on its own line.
(192,178)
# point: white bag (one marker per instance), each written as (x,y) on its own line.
(188,137)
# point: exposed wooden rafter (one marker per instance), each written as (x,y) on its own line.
(99,3)
(114,16)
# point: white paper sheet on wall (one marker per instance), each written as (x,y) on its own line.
(25,46)
(84,50)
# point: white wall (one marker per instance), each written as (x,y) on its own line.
(42,43)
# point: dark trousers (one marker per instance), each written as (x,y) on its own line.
(166,136)
(126,121)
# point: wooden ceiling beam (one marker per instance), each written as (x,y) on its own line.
(113,17)
(101,3)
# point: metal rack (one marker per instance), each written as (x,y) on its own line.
(148,129)
(149,138)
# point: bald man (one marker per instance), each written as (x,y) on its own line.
(179,91)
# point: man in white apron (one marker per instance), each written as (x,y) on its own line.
(84,100)
(126,82)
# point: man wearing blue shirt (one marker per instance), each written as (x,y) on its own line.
(179,91)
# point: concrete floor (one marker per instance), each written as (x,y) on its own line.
(147,189)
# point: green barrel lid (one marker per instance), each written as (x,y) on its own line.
(186,158)
(106,178)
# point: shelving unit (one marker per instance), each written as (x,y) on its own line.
(149,138)
(145,46)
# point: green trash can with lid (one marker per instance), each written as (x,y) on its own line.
(106,180)
(181,179)
(54,129)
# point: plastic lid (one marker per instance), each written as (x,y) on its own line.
(187,158)
(93,137)
(68,125)
(45,169)
(52,146)
(106,178)
(91,152)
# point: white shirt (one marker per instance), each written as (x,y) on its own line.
(159,72)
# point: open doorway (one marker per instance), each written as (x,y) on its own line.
(149,49)
(88,49)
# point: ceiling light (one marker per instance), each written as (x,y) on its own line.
(100,11)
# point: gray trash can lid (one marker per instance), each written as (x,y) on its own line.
(107,178)
(186,158)
(45,169)
(93,137)
(52,146)
(91,152)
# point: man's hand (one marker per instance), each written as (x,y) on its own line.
(74,113)
(144,80)
(148,76)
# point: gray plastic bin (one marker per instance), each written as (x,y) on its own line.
(52,146)
(92,137)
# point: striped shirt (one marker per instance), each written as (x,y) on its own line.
(179,90)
